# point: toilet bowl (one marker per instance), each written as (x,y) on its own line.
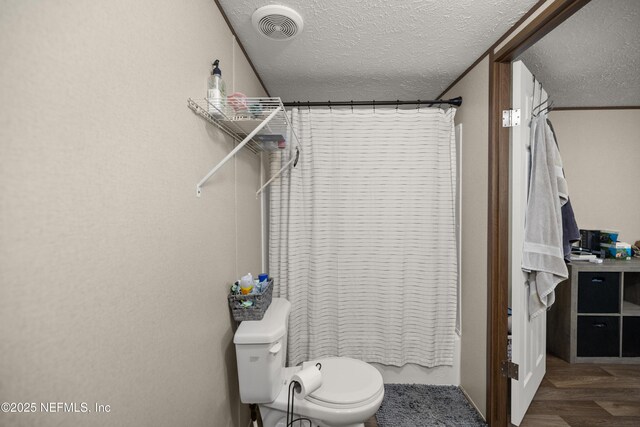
(351,393)
(351,390)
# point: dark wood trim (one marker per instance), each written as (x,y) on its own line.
(493,46)
(626,107)
(498,221)
(233,31)
(539,27)
(498,242)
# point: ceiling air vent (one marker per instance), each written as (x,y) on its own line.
(277,22)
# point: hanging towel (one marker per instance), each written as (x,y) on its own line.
(570,230)
(543,255)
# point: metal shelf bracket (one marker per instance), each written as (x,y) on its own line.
(236,149)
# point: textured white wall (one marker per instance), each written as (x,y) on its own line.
(113,275)
(474,115)
(601,152)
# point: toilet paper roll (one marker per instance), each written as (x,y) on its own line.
(309,380)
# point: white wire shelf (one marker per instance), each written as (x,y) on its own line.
(239,118)
(260,124)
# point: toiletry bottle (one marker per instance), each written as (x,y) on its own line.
(246,284)
(216,92)
(263,280)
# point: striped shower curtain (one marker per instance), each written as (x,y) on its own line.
(362,237)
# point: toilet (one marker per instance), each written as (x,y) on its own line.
(351,390)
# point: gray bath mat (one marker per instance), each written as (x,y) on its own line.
(418,405)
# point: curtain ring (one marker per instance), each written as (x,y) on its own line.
(397,103)
(374,105)
(330,109)
(418,105)
(352,105)
(308,106)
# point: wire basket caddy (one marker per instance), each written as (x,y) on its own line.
(261,302)
(239,116)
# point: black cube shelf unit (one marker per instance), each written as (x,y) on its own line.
(596,316)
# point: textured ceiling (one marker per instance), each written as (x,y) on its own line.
(373,49)
(593,58)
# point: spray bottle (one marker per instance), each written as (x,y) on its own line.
(216,92)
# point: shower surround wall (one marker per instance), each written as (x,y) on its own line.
(113,275)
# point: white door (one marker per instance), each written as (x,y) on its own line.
(528,337)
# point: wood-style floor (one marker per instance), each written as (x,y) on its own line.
(585,395)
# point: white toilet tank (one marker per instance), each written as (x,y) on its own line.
(261,349)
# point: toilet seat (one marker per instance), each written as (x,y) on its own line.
(323,406)
(346,383)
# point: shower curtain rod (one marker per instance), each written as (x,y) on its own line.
(453,101)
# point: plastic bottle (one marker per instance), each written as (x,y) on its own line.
(262,282)
(246,284)
(216,92)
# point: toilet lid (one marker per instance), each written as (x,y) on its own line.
(346,381)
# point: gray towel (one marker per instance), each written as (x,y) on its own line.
(543,255)
(570,229)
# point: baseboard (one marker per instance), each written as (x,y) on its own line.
(473,403)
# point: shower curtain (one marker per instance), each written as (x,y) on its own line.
(362,237)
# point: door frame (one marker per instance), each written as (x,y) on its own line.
(524,35)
